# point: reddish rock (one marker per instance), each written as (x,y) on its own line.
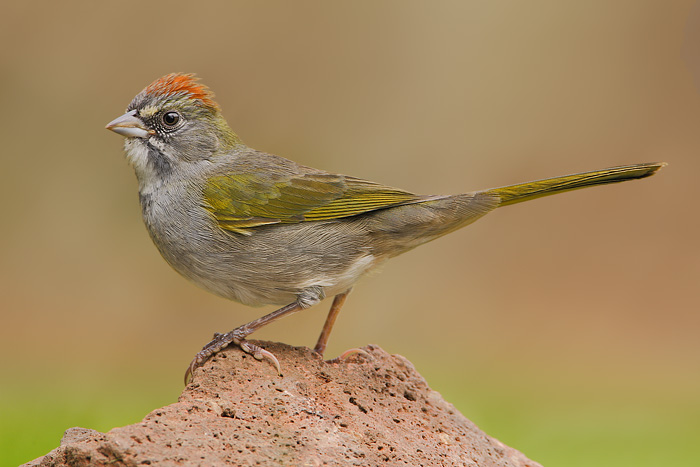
(368,410)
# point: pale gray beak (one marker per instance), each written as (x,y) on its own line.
(129,125)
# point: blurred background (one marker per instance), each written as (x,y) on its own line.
(566,327)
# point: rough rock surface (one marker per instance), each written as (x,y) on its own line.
(372,409)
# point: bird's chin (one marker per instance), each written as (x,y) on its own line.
(136,151)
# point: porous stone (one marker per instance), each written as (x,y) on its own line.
(371,409)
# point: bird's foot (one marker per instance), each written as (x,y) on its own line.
(259,353)
(220,342)
(348,353)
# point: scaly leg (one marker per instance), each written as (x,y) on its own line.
(237,337)
(330,320)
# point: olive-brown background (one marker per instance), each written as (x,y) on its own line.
(567,327)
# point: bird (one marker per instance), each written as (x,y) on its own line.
(260,229)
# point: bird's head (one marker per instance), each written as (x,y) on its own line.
(173,122)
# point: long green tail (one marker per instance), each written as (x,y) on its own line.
(526,191)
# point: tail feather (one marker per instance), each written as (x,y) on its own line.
(531,190)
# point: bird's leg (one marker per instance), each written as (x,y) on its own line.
(330,320)
(237,337)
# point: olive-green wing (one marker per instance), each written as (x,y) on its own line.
(242,201)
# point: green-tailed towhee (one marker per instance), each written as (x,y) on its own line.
(261,229)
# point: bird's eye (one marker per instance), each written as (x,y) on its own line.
(171,118)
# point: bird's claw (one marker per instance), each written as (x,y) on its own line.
(259,353)
(349,353)
(220,342)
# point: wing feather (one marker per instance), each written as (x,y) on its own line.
(242,201)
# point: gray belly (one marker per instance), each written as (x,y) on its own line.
(273,265)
